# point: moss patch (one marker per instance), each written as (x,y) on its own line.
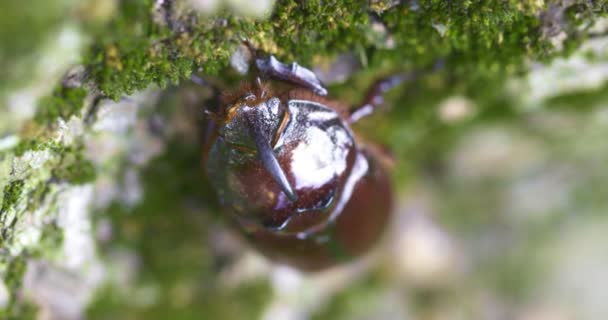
(62,103)
(75,169)
(13,277)
(11,194)
(169,232)
(475,37)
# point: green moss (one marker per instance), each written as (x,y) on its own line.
(580,100)
(51,239)
(136,53)
(29,145)
(241,303)
(141,52)
(13,278)
(355,302)
(244,302)
(169,232)
(64,102)
(74,168)
(24,311)
(477,39)
(11,194)
(302,30)
(38,144)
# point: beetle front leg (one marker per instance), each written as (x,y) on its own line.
(293,73)
(375,95)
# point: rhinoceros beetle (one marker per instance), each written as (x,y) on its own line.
(291,174)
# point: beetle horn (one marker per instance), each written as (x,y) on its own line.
(271,163)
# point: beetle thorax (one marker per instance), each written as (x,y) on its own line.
(314,152)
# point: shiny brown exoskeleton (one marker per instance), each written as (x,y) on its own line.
(288,169)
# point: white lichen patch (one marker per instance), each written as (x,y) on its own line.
(132,189)
(59,293)
(56,54)
(4,295)
(68,131)
(298,295)
(120,134)
(260,8)
(564,75)
(575,271)
(73,206)
(455,109)
(142,145)
(62,284)
(101,147)
(494,152)
(107,190)
(256,9)
(249,267)
(421,253)
(204,6)
(600,26)
(535,196)
(28,229)
(8,142)
(122,267)
(22,103)
(31,160)
(65,277)
(28,224)
(61,52)
(240,59)
(116,117)
(6,165)
(441,28)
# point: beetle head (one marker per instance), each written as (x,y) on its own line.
(250,125)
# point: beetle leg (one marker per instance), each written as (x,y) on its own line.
(375,96)
(208,127)
(293,73)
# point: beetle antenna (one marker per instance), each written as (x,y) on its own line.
(271,163)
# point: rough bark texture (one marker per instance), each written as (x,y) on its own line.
(500,158)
